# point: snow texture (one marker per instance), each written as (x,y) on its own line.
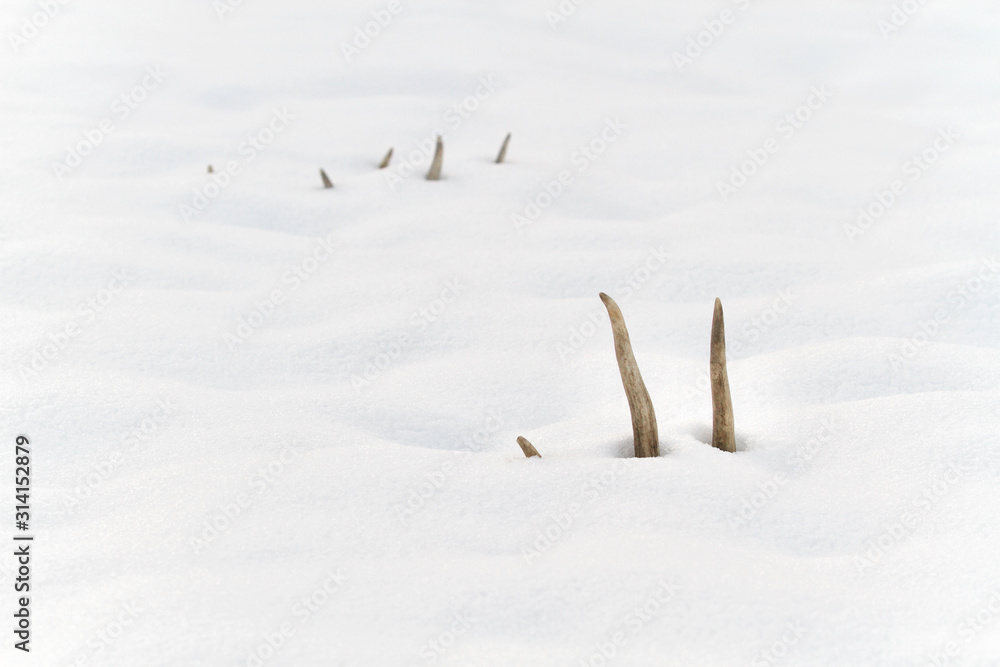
(274,424)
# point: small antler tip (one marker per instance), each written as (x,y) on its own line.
(528,448)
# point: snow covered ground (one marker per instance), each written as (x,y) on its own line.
(274,424)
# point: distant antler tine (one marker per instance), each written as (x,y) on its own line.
(327,183)
(503,150)
(528,448)
(435,172)
(385,160)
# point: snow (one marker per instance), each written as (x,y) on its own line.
(274,424)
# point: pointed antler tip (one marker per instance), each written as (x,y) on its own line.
(434,174)
(723,429)
(528,448)
(645,436)
(503,150)
(386,159)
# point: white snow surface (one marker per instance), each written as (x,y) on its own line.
(238,464)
